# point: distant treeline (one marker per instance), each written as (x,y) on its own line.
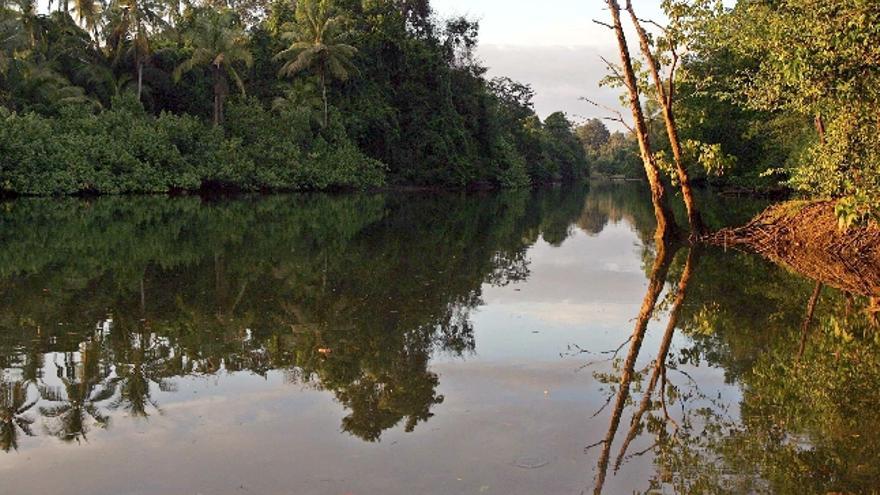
(154,95)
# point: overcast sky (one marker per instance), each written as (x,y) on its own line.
(553,45)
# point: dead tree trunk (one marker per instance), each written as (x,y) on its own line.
(658,194)
(665,98)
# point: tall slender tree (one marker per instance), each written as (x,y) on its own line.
(665,95)
(134,23)
(658,193)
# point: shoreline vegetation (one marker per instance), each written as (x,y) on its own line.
(834,241)
(139,96)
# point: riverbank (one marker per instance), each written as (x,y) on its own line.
(125,149)
(805,237)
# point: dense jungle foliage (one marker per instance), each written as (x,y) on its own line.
(154,95)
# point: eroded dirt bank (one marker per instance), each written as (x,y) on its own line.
(804,237)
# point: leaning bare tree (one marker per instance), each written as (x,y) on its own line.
(658,193)
(665,94)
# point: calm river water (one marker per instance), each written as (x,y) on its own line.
(418,344)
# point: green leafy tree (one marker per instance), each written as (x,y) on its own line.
(593,135)
(815,61)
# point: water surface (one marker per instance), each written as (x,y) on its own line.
(418,343)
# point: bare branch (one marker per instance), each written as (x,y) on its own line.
(599,411)
(618,118)
(654,23)
(662,394)
(588,447)
(612,68)
(672,67)
(609,26)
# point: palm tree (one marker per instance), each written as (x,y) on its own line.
(43,89)
(81,399)
(102,81)
(25,12)
(140,365)
(315,44)
(11,38)
(218,41)
(87,13)
(303,97)
(131,21)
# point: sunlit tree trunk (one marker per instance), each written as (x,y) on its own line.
(661,211)
(666,98)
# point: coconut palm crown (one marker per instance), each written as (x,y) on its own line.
(316,44)
(218,41)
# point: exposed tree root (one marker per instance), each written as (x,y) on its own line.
(804,237)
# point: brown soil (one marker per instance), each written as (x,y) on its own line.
(804,237)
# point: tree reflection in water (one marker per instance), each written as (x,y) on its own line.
(349,294)
(805,359)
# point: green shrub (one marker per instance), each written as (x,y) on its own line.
(124,149)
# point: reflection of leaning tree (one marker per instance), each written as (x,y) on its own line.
(662,261)
(807,419)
